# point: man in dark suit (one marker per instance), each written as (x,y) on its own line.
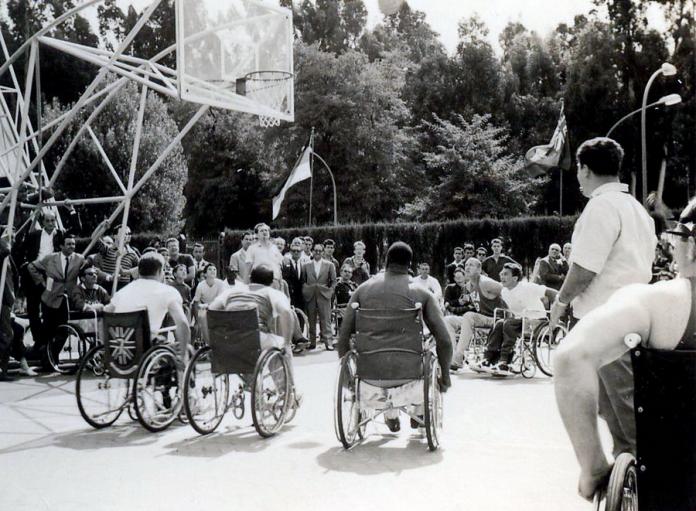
(56,275)
(36,244)
(458,261)
(552,268)
(318,281)
(291,269)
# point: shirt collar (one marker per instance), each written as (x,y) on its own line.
(609,187)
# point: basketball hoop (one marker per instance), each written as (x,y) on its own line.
(270,89)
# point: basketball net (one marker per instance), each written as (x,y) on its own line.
(268,88)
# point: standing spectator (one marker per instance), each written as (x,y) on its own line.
(552,268)
(457,299)
(318,282)
(481,253)
(280,243)
(361,268)
(57,275)
(308,245)
(292,273)
(106,260)
(613,246)
(206,291)
(199,263)
(329,247)
(493,265)
(239,269)
(469,251)
(458,261)
(176,258)
(484,294)
(567,249)
(264,251)
(427,281)
(88,295)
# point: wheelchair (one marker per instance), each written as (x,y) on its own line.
(129,371)
(73,339)
(662,477)
(389,349)
(219,376)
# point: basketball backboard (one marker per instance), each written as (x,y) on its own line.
(236,54)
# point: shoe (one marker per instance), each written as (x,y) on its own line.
(25,369)
(298,348)
(455,368)
(415,424)
(485,366)
(393,424)
(501,369)
(329,346)
(6,377)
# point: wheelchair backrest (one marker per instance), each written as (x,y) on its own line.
(235,340)
(665,410)
(126,337)
(389,344)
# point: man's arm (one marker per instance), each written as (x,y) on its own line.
(595,341)
(182,332)
(547,275)
(575,283)
(77,298)
(436,324)
(332,277)
(35,268)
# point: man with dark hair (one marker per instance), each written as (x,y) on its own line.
(493,265)
(522,299)
(457,299)
(159,299)
(265,252)
(458,261)
(291,269)
(613,246)
(238,267)
(176,258)
(88,295)
(318,282)
(469,251)
(199,263)
(481,253)
(329,247)
(392,290)
(107,258)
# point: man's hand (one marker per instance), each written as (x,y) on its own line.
(68,205)
(591,483)
(558,309)
(445,381)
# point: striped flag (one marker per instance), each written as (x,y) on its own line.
(540,159)
(301,171)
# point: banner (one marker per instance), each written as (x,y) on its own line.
(540,159)
(300,172)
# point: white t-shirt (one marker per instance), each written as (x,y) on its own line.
(614,238)
(525,298)
(258,254)
(431,284)
(205,294)
(148,294)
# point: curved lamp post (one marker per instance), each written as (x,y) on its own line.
(669,100)
(666,69)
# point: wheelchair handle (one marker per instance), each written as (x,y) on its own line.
(632,340)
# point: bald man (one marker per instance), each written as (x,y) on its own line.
(552,268)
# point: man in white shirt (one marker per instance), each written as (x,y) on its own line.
(265,252)
(149,292)
(427,281)
(523,299)
(613,246)
(238,268)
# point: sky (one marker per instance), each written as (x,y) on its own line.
(541,16)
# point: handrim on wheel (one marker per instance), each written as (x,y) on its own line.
(622,491)
(545,343)
(270,392)
(347,404)
(205,393)
(67,359)
(100,398)
(432,405)
(156,389)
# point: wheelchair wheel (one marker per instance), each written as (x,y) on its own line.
(347,415)
(622,492)
(66,348)
(433,402)
(100,398)
(156,389)
(546,342)
(205,393)
(270,392)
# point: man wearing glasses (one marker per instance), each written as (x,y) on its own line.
(613,247)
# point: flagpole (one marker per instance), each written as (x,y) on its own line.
(311,176)
(560,207)
(333,183)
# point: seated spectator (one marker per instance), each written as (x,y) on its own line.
(108,256)
(344,288)
(176,258)
(361,268)
(199,262)
(663,261)
(522,299)
(457,299)
(179,283)
(493,265)
(481,253)
(329,247)
(88,295)
(456,263)
(552,268)
(427,281)
(150,293)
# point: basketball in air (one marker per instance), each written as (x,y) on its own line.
(389,7)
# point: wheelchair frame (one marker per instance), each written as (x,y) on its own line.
(350,425)
(201,381)
(76,344)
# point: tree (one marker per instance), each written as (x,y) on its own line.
(335,25)
(159,204)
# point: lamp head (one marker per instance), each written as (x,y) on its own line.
(670,100)
(668,69)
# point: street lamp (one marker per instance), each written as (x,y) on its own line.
(669,100)
(666,69)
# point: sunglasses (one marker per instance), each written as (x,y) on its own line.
(683,232)
(90,274)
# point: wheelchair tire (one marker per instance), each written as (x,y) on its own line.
(156,389)
(622,491)
(100,398)
(205,393)
(66,360)
(270,400)
(347,430)
(432,404)
(545,343)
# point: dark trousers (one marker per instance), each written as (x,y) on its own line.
(52,319)
(501,340)
(320,306)
(11,338)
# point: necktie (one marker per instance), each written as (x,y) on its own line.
(297,267)
(67,263)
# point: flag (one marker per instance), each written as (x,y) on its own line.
(300,172)
(540,159)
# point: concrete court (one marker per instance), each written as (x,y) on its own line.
(503,448)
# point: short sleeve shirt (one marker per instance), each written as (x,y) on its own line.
(148,294)
(259,254)
(206,294)
(614,238)
(525,298)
